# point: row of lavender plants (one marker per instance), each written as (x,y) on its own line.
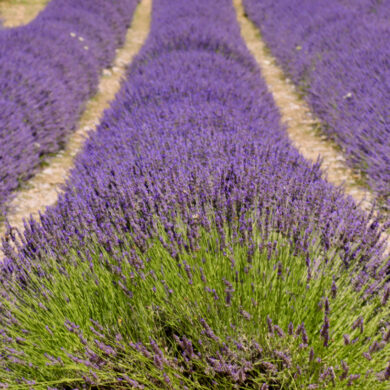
(193,247)
(338,53)
(48,70)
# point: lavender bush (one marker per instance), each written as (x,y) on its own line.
(48,70)
(193,246)
(338,54)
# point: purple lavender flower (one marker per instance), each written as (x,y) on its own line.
(314,46)
(386,373)
(208,331)
(386,295)
(47,76)
(345,368)
(359,323)
(270,326)
(324,332)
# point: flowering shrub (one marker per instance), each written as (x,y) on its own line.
(338,54)
(48,70)
(193,246)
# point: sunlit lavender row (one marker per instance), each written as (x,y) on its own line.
(48,70)
(193,247)
(338,53)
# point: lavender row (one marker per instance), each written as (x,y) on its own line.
(192,151)
(49,68)
(194,110)
(338,54)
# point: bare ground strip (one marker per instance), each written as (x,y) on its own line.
(15,13)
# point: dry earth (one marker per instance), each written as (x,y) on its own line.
(42,190)
(17,12)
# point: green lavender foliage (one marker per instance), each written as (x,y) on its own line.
(120,320)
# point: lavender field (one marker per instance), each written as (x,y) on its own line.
(338,53)
(192,247)
(48,69)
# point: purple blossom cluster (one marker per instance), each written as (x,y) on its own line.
(194,128)
(338,53)
(49,68)
(194,136)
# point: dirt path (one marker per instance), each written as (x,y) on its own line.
(302,127)
(17,12)
(42,190)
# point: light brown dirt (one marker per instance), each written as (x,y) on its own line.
(18,12)
(43,189)
(302,126)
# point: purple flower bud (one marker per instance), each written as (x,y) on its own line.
(334,289)
(332,375)
(386,295)
(208,331)
(158,361)
(387,373)
(49,330)
(325,331)
(326,305)
(358,324)
(166,378)
(132,382)
(374,347)
(202,275)
(83,340)
(105,348)
(287,361)
(311,355)
(228,297)
(269,367)
(245,314)
(345,368)
(279,331)
(270,326)
(280,269)
(93,330)
(301,330)
(386,336)
(367,355)
(290,329)
(241,376)
(353,378)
